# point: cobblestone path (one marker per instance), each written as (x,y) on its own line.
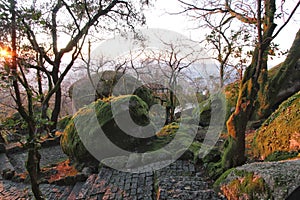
(181,181)
(177,181)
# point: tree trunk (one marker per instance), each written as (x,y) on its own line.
(57,102)
(234,153)
(32,166)
(56,110)
(172,107)
(222,75)
(284,83)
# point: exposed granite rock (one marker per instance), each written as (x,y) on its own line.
(281,178)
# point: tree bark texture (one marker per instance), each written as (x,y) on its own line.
(234,153)
(284,83)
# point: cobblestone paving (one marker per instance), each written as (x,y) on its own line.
(18,191)
(112,184)
(180,180)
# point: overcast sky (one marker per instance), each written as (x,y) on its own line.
(158,17)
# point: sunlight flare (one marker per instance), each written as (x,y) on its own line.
(4,53)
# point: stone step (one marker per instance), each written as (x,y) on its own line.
(10,190)
(180,178)
(113,184)
(177,181)
(95,185)
(187,194)
(187,184)
(75,191)
(51,191)
(6,168)
(85,190)
(179,165)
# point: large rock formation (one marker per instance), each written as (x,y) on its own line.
(268,180)
(281,131)
(93,125)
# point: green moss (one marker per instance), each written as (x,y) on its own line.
(230,147)
(281,155)
(251,185)
(283,107)
(247,185)
(222,178)
(160,142)
(280,132)
(195,148)
(63,122)
(215,170)
(204,112)
(71,142)
(72,145)
(146,95)
(231,94)
(168,130)
(213,156)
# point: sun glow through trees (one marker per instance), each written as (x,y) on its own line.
(4,53)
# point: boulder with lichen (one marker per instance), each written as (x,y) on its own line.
(95,126)
(260,180)
(281,131)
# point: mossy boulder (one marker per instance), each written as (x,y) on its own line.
(260,180)
(281,131)
(211,111)
(63,122)
(192,153)
(146,95)
(99,117)
(229,94)
(241,184)
(106,84)
(214,156)
(204,112)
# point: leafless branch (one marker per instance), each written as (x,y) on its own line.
(287,21)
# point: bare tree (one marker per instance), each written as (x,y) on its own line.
(230,45)
(84,18)
(50,31)
(262,15)
(164,68)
